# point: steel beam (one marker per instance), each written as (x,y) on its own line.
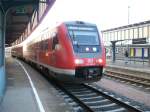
(16,26)
(22,14)
(11,3)
(20,22)
(15,30)
(14,33)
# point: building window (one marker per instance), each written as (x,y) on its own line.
(119,35)
(111,36)
(105,36)
(108,36)
(131,34)
(135,33)
(140,32)
(116,35)
(126,34)
(145,32)
(123,34)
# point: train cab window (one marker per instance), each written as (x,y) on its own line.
(55,42)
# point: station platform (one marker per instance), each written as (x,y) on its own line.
(28,91)
(131,65)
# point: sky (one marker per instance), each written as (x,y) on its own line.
(105,13)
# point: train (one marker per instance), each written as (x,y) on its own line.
(73,51)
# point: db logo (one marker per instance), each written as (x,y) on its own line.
(90,61)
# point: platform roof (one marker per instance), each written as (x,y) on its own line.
(20,13)
(128,26)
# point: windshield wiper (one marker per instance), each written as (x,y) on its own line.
(74,41)
(73,35)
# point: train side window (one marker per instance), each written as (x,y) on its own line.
(41,45)
(55,42)
(45,45)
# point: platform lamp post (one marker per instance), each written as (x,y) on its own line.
(128,14)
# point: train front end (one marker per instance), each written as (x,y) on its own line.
(88,50)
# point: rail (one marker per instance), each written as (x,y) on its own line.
(138,81)
(93,100)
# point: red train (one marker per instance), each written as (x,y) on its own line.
(71,52)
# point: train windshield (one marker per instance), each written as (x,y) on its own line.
(84,36)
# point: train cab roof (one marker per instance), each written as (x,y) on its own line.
(79,23)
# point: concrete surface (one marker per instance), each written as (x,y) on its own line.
(2,82)
(19,96)
(131,65)
(126,90)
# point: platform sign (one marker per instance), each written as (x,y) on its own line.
(139,41)
(145,52)
(132,52)
(138,52)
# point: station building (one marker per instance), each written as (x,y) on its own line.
(133,37)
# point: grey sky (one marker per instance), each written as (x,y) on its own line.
(105,13)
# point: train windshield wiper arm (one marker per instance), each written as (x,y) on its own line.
(74,41)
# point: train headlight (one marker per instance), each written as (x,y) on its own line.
(94,49)
(79,61)
(87,49)
(100,61)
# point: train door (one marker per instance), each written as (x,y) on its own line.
(37,52)
(54,50)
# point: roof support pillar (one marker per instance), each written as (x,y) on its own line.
(2,55)
(149,56)
(113,51)
(37,11)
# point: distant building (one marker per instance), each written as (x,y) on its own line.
(134,37)
(127,33)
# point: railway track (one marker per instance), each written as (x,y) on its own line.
(87,98)
(140,82)
(92,98)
